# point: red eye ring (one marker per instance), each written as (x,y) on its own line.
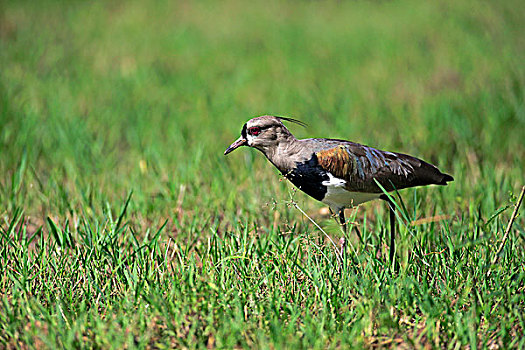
(254,131)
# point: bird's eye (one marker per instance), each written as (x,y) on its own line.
(254,131)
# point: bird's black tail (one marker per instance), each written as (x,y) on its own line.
(446,178)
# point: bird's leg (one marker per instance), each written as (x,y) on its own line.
(342,220)
(392,209)
(392,232)
(358,232)
(342,240)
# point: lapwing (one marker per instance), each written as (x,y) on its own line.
(339,173)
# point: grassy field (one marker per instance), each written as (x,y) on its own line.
(124,226)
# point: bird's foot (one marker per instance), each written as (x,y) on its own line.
(342,244)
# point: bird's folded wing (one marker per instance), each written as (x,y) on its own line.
(361,165)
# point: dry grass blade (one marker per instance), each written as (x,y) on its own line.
(509,226)
(337,253)
(429,220)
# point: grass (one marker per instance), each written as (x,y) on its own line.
(123,225)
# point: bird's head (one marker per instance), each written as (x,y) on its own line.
(263,133)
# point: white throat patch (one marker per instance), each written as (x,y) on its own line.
(249,139)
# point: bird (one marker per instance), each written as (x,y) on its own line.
(339,173)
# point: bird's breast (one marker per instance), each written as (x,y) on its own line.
(325,187)
(309,178)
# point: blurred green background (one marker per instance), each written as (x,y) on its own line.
(89,90)
(100,98)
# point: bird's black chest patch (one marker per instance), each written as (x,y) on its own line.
(308,176)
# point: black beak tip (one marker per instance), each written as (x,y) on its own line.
(240,142)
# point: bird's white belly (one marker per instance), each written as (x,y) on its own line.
(337,196)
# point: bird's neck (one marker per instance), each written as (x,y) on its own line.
(285,154)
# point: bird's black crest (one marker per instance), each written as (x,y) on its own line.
(292,120)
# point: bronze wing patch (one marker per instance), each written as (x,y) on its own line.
(337,161)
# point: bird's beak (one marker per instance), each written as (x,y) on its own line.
(238,143)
